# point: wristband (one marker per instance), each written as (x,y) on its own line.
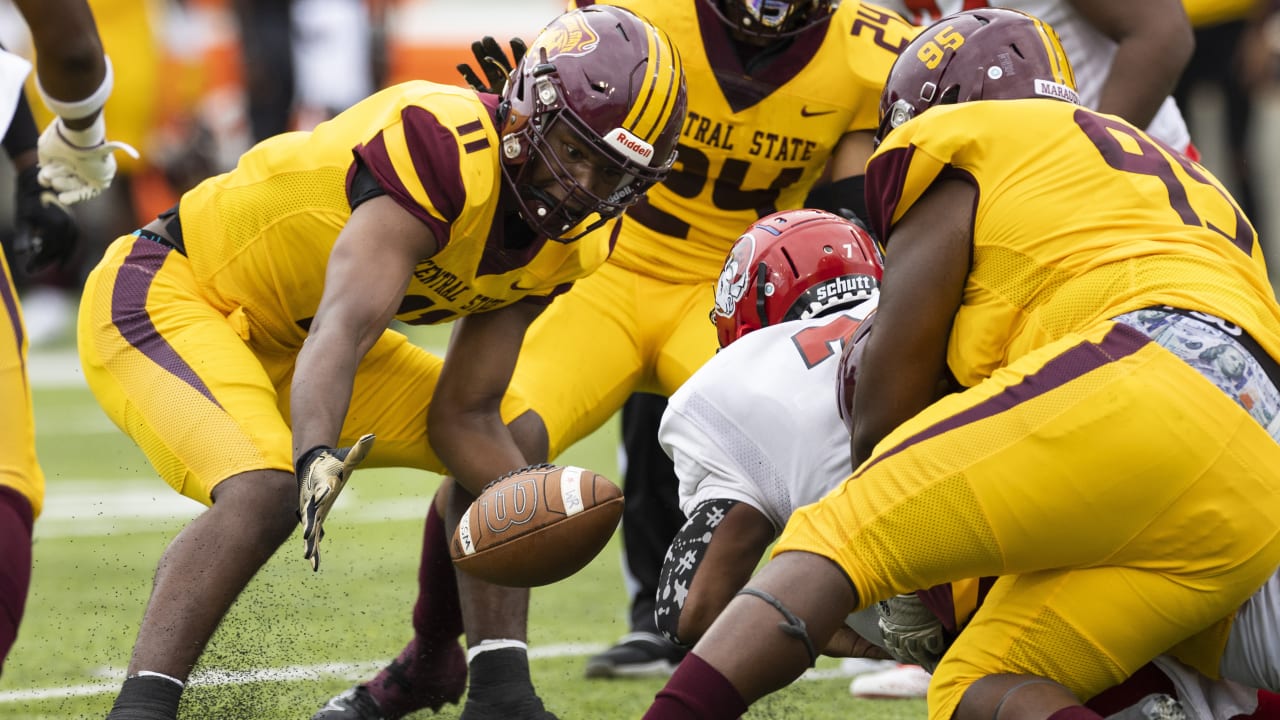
(86,139)
(77,109)
(305,458)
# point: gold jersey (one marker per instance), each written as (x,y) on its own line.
(757,136)
(259,236)
(1065,231)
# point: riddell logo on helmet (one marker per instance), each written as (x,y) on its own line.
(569,35)
(630,145)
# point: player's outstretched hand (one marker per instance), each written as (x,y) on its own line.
(493,63)
(322,473)
(45,232)
(912,633)
(73,168)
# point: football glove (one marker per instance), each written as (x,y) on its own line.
(77,172)
(45,232)
(322,472)
(912,633)
(493,62)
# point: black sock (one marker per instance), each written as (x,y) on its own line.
(146,697)
(502,688)
(501,674)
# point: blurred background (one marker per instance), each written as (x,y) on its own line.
(198,81)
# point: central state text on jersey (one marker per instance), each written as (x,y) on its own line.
(450,287)
(770,145)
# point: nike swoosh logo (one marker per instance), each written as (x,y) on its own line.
(806,112)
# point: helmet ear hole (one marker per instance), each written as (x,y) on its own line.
(762,288)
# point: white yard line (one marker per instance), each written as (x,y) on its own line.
(89,507)
(353,671)
(54,369)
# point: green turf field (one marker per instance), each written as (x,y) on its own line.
(296,637)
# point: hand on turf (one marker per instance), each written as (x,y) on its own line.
(76,172)
(322,472)
(912,633)
(44,231)
(493,62)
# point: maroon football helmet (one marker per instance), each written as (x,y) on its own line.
(618,84)
(772,19)
(987,54)
(791,265)
(847,374)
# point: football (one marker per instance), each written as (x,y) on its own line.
(537,525)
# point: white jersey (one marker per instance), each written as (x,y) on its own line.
(1090,51)
(13,73)
(758,423)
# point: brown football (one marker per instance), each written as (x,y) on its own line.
(537,526)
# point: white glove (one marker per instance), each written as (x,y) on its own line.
(322,473)
(77,164)
(912,633)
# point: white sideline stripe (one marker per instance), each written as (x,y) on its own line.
(100,506)
(53,369)
(295,673)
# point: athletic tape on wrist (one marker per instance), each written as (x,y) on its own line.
(488,645)
(77,109)
(86,139)
(149,673)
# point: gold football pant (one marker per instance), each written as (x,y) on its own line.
(204,399)
(18,466)
(616,332)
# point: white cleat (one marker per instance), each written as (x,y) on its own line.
(902,682)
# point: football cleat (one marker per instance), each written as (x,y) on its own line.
(904,682)
(637,654)
(855,666)
(353,704)
(1158,706)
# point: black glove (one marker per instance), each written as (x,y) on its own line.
(45,231)
(493,61)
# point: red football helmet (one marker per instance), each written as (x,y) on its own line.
(794,264)
(772,19)
(618,84)
(987,54)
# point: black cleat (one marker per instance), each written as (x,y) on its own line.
(353,704)
(637,654)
